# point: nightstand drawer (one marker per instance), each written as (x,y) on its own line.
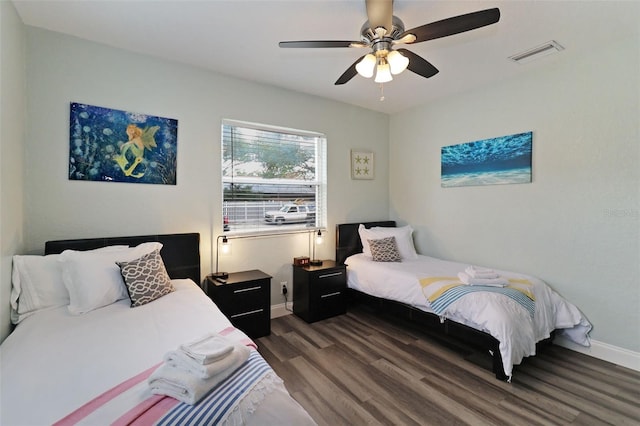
(323,284)
(330,302)
(245,298)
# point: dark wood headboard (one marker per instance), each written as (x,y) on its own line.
(348,240)
(180,252)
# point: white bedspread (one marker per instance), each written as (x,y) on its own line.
(54,362)
(492,313)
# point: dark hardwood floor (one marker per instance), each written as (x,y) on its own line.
(360,368)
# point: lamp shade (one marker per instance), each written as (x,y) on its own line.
(366,66)
(383,74)
(397,61)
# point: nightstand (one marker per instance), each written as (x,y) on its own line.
(319,292)
(245,298)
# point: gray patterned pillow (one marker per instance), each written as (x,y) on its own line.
(384,250)
(146,278)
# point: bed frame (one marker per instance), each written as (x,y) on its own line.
(180,252)
(348,243)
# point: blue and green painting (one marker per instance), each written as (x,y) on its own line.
(496,161)
(119,146)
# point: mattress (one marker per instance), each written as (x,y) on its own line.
(55,362)
(501,317)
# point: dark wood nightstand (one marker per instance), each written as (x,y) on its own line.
(319,292)
(245,298)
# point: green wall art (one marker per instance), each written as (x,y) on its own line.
(111,145)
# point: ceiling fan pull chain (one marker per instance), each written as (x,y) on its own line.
(381,92)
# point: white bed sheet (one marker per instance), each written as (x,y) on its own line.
(492,313)
(54,362)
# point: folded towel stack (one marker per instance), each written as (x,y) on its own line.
(195,368)
(482,273)
(474,275)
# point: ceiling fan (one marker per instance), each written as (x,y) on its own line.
(383,31)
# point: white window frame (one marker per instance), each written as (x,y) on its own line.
(251,226)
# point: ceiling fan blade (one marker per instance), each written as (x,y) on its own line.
(418,64)
(349,73)
(454,25)
(321,43)
(380,14)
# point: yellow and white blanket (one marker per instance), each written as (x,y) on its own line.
(443,291)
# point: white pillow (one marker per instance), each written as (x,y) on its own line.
(404,240)
(37,284)
(94,279)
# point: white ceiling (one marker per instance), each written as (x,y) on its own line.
(240,38)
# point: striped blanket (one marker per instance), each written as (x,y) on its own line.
(443,291)
(131,402)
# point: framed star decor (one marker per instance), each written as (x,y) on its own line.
(362,165)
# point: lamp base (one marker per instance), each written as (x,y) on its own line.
(315,262)
(220,276)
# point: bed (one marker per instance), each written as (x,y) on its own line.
(70,361)
(508,321)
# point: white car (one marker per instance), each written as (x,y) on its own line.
(291,213)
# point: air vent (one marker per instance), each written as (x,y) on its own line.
(537,52)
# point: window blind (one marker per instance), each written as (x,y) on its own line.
(264,169)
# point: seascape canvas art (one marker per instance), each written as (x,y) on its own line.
(120,146)
(495,161)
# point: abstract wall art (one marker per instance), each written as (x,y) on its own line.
(111,145)
(495,161)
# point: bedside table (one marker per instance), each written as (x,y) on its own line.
(245,298)
(319,292)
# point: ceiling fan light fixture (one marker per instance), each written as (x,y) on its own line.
(397,62)
(366,66)
(383,30)
(383,73)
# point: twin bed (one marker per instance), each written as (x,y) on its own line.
(92,367)
(506,321)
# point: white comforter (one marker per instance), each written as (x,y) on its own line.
(54,362)
(492,313)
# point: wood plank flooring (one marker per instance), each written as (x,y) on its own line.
(360,368)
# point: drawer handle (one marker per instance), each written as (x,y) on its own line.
(242,290)
(335,274)
(247,313)
(337,293)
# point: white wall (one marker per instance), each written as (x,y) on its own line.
(577,226)
(63,69)
(12,109)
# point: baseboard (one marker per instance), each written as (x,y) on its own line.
(604,351)
(280,310)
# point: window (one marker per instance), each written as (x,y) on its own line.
(273,179)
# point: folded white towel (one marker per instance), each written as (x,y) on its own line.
(478,272)
(188,388)
(182,361)
(207,348)
(492,282)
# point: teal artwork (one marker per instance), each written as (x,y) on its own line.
(496,161)
(118,146)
